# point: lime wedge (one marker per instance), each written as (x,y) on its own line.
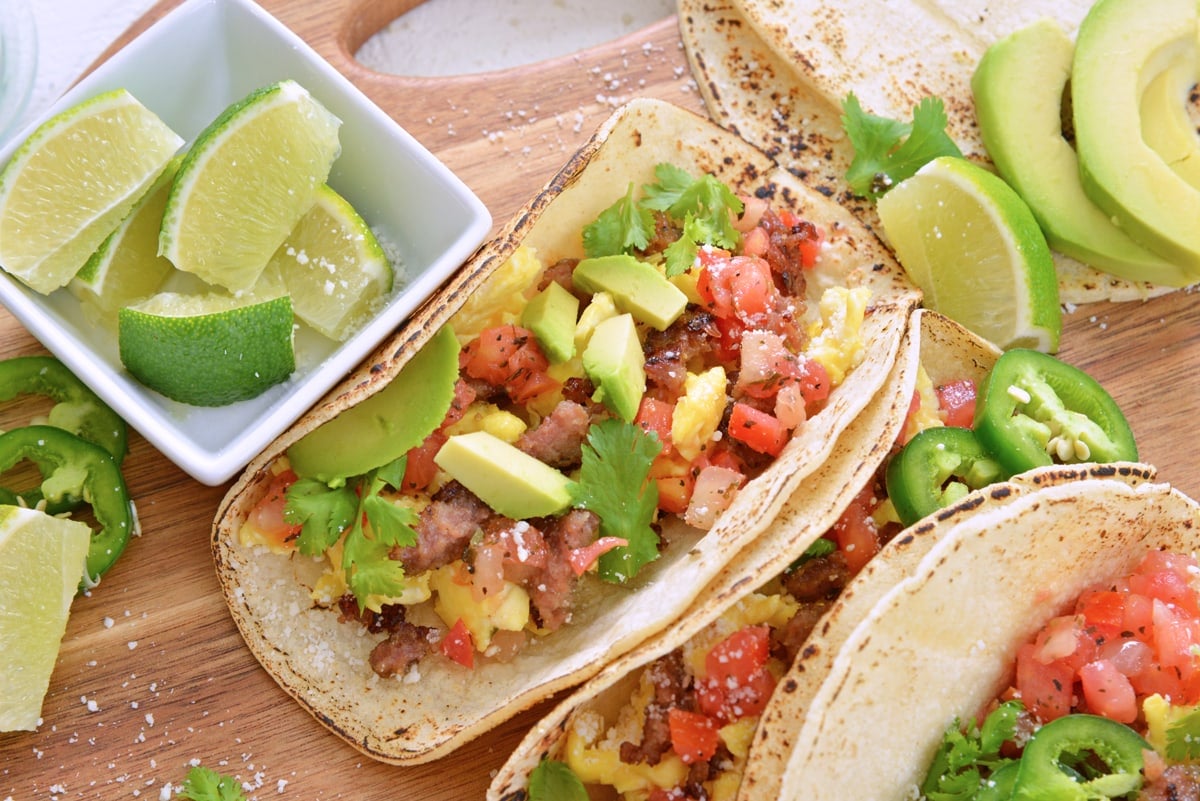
(73,181)
(126,268)
(208,350)
(333,267)
(245,183)
(41,565)
(974,248)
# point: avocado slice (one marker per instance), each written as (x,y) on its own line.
(1166,125)
(1120,47)
(507,479)
(615,362)
(389,423)
(637,288)
(551,317)
(1018,88)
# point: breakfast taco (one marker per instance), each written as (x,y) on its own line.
(1045,648)
(546,465)
(678,715)
(779,73)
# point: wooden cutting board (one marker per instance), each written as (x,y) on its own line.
(153,676)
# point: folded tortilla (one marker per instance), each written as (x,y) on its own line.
(945,351)
(323,663)
(777,73)
(941,643)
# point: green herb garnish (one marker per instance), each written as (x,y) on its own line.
(614,483)
(326,513)
(554,781)
(1183,738)
(967,757)
(704,208)
(204,784)
(887,151)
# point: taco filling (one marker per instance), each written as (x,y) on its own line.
(594,400)
(1105,701)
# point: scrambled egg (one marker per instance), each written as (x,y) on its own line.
(928,414)
(507,610)
(601,307)
(480,416)
(698,412)
(836,339)
(501,298)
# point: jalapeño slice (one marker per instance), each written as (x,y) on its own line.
(1036,410)
(1079,758)
(936,468)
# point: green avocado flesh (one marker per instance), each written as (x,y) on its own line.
(1121,47)
(1018,88)
(509,480)
(386,425)
(637,287)
(614,361)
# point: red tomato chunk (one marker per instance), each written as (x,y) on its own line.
(1120,645)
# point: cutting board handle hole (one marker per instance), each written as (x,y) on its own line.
(440,38)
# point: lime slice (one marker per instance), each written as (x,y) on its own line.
(126,267)
(334,268)
(208,350)
(73,181)
(974,248)
(246,182)
(41,565)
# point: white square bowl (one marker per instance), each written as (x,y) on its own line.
(187,68)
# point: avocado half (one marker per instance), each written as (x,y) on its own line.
(1018,88)
(1121,46)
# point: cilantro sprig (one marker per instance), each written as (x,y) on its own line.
(704,208)
(887,151)
(1183,738)
(205,784)
(327,513)
(554,781)
(614,483)
(967,758)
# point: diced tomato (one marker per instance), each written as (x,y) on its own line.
(693,736)
(464,396)
(1106,691)
(790,406)
(1166,576)
(675,479)
(1175,633)
(508,357)
(741,287)
(420,468)
(737,683)
(760,430)
(1064,639)
(267,516)
(457,645)
(581,559)
(729,347)
(855,532)
(755,242)
(1103,612)
(1045,688)
(956,400)
(655,416)
(814,383)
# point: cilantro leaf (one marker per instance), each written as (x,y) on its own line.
(968,758)
(323,511)
(680,255)
(554,781)
(672,183)
(329,514)
(205,784)
(622,227)
(614,484)
(1183,738)
(881,158)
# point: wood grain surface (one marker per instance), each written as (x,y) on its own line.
(153,676)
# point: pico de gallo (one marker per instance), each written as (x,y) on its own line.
(1104,703)
(431,557)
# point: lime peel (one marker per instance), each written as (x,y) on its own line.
(972,245)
